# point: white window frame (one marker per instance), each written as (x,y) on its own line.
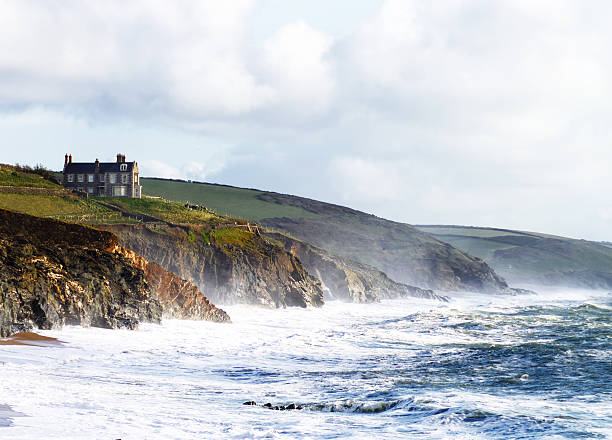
(125,178)
(80,177)
(101,177)
(123,167)
(119,191)
(90,178)
(70,177)
(112,178)
(90,190)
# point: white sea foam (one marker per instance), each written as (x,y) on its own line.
(348,364)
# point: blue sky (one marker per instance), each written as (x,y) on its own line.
(460,112)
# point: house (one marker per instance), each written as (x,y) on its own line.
(105,179)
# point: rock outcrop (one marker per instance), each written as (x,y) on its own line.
(401,251)
(345,279)
(255,272)
(55,273)
(179,298)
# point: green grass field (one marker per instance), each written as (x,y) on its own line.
(169,211)
(226,200)
(10,177)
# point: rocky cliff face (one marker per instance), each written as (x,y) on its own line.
(345,279)
(179,298)
(258,272)
(55,273)
(401,251)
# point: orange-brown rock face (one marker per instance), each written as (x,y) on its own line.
(261,273)
(180,299)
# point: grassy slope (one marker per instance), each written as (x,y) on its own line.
(10,177)
(226,200)
(204,225)
(521,255)
(403,252)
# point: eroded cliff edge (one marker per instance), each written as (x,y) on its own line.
(54,273)
(345,279)
(241,268)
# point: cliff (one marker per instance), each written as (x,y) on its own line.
(179,298)
(229,266)
(56,273)
(401,251)
(532,257)
(348,280)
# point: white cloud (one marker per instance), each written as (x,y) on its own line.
(295,64)
(458,111)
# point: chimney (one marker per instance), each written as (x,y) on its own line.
(70,158)
(97,163)
(118,158)
(66,159)
(123,158)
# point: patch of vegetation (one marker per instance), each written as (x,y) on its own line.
(235,237)
(205,236)
(162,209)
(466,231)
(67,208)
(226,200)
(191,236)
(37,177)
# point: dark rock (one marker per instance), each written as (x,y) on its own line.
(268,405)
(345,279)
(250,402)
(55,273)
(261,273)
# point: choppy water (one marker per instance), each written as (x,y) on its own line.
(476,367)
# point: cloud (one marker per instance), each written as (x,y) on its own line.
(459,111)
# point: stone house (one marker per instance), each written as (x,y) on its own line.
(105,179)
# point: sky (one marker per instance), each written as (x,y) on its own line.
(467,112)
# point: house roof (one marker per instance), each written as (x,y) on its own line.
(90,167)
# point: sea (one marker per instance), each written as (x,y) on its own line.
(476,367)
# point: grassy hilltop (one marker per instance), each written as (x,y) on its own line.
(36,192)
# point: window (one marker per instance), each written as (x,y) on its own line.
(80,177)
(123,167)
(135,178)
(101,177)
(90,178)
(113,178)
(125,178)
(90,190)
(70,177)
(119,191)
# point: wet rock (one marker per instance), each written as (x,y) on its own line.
(250,402)
(55,273)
